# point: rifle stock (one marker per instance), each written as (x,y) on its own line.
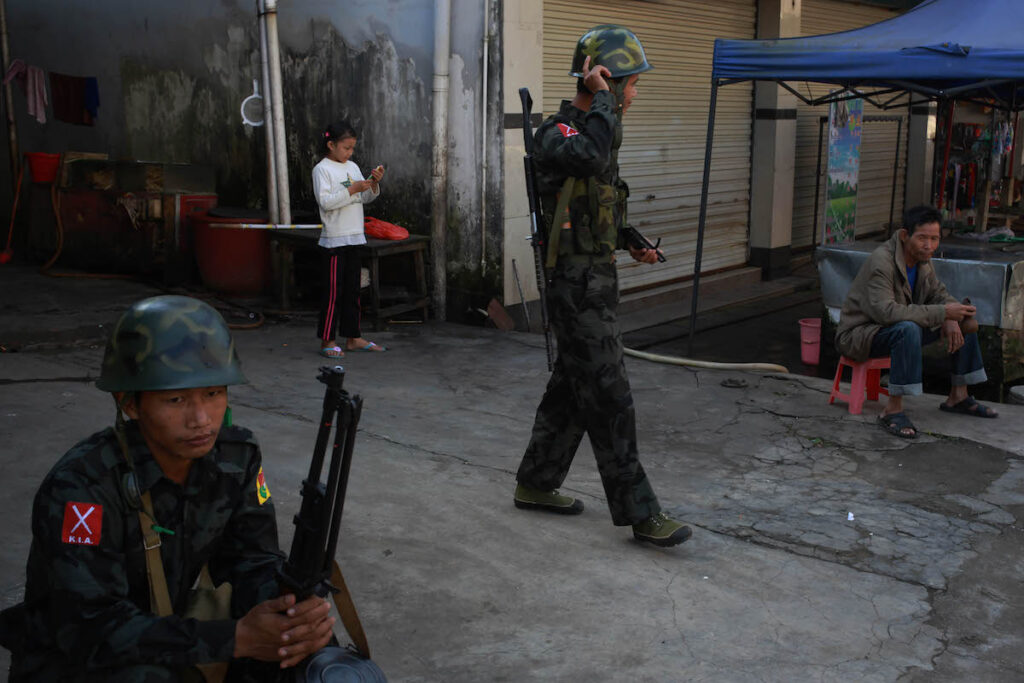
(538,238)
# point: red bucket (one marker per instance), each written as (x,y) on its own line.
(810,340)
(43,165)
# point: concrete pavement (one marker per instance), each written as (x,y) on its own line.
(823,548)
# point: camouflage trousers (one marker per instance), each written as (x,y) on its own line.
(588,393)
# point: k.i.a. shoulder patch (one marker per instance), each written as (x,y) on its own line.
(262,492)
(83,523)
(567,130)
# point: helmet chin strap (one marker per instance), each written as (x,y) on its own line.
(129,482)
(618,89)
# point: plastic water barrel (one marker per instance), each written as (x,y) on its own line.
(231,260)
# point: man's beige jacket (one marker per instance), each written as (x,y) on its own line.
(880,296)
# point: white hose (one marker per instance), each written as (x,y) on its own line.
(708,365)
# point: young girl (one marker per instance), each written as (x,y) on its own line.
(341,192)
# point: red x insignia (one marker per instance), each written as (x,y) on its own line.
(567,130)
(83,523)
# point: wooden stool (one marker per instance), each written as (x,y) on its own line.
(864,378)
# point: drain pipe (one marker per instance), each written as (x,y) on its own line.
(439,193)
(269,14)
(268,128)
(12,126)
(483,137)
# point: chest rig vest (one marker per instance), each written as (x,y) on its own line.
(585,214)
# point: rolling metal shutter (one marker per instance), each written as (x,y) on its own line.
(878,139)
(662,154)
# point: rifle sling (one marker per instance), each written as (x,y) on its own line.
(159,596)
(347,611)
(560,216)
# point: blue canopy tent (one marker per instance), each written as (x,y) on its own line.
(940,50)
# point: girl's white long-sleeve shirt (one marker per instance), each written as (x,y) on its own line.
(340,212)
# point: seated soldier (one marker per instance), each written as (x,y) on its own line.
(171,493)
(895,306)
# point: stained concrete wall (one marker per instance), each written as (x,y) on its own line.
(172,76)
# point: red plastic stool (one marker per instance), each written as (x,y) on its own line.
(864,378)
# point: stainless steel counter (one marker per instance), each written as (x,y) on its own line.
(991,274)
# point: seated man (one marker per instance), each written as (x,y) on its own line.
(895,306)
(126,522)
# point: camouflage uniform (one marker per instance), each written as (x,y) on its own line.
(87,611)
(87,614)
(588,390)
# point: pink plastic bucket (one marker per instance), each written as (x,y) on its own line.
(810,340)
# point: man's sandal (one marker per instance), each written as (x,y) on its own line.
(969,406)
(896,423)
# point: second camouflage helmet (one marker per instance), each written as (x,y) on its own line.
(614,47)
(169,342)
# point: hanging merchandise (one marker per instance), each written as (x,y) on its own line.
(956,186)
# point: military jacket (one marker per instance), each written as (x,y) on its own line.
(87,598)
(584,145)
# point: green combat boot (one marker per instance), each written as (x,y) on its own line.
(661,530)
(551,501)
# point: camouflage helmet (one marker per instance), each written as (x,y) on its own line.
(613,47)
(169,342)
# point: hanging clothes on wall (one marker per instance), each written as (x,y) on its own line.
(32,80)
(76,99)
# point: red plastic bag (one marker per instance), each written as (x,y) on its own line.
(382,230)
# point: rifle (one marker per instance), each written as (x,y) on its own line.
(311,560)
(310,568)
(636,239)
(538,238)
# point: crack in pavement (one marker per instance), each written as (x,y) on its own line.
(34,380)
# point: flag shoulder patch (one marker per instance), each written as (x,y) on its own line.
(567,130)
(83,523)
(262,491)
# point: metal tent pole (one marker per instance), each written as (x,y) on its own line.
(895,175)
(817,184)
(702,216)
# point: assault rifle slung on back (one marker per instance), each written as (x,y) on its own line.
(538,235)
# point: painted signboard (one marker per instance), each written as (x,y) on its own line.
(844,129)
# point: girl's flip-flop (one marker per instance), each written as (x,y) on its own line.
(371,346)
(332,352)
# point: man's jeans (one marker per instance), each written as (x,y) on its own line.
(903,342)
